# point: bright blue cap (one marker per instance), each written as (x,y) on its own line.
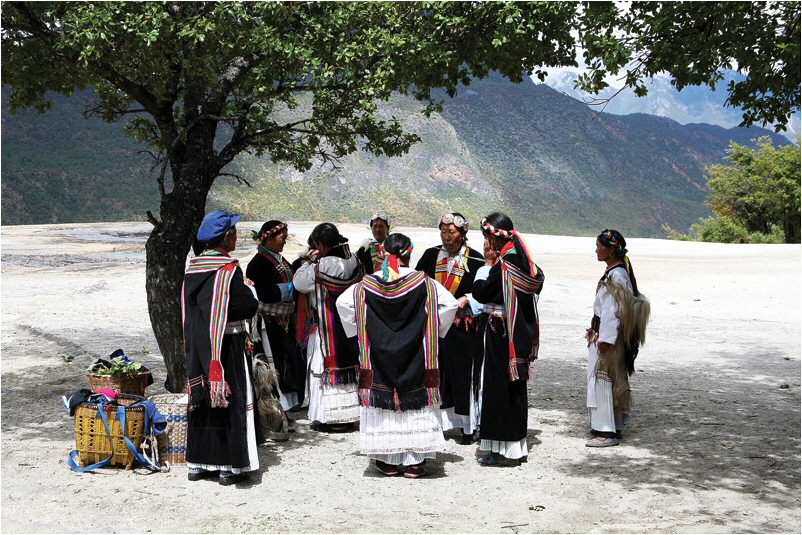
(215,225)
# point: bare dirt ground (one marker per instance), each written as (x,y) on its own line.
(713,446)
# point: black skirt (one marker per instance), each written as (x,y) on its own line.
(219,436)
(457,355)
(504,402)
(287,356)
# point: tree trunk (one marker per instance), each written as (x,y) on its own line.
(166,253)
(791,228)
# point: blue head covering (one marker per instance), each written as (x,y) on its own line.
(215,225)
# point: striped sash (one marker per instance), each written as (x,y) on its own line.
(394,290)
(514,280)
(327,290)
(377,254)
(223,268)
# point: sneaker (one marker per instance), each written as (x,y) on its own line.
(605,443)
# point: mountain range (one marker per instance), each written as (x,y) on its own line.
(555,165)
(694,104)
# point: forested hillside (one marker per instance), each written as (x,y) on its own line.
(554,164)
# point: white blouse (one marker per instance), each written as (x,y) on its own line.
(606,307)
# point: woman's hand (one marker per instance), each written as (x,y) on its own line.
(462,302)
(491,255)
(248,282)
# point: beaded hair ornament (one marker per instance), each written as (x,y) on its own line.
(379,215)
(268,233)
(458,221)
(610,237)
(500,232)
(390,266)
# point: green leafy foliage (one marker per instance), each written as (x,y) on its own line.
(121,368)
(755,198)
(694,42)
(207,77)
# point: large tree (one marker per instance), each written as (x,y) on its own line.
(759,188)
(201,82)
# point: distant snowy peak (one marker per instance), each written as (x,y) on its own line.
(695,104)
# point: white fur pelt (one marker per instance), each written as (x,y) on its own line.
(634,312)
(271,416)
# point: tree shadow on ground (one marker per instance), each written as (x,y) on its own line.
(717,427)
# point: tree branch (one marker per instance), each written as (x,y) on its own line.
(239,178)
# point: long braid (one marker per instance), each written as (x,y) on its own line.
(631,274)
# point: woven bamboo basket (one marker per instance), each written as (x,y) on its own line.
(136,385)
(92,441)
(173,442)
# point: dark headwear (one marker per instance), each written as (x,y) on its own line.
(613,238)
(215,225)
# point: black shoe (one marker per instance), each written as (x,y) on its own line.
(204,474)
(230,478)
(468,439)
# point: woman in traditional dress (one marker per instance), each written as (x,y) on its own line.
(618,328)
(371,253)
(509,333)
(328,270)
(222,433)
(454,264)
(398,315)
(274,332)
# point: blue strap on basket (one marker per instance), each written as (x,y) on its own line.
(101,410)
(155,424)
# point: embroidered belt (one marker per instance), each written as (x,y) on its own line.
(273,310)
(235,327)
(492,309)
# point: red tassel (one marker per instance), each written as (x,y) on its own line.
(215,371)
(397,401)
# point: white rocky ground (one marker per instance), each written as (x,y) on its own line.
(714,445)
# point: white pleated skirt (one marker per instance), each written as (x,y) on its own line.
(514,449)
(250,429)
(329,404)
(400,437)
